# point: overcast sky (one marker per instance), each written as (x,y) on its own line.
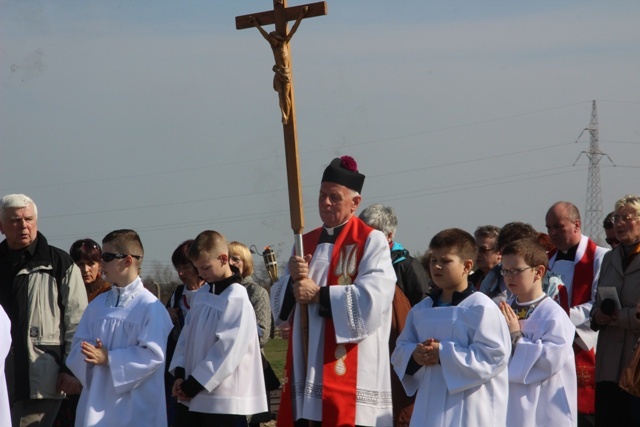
(160,116)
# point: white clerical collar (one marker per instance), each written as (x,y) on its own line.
(331,230)
(121,297)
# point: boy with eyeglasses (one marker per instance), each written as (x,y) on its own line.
(217,362)
(118,351)
(542,371)
(455,345)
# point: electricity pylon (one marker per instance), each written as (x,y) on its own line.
(592,219)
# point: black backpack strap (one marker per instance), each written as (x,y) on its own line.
(178,295)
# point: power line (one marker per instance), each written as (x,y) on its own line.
(282,189)
(439,189)
(237,163)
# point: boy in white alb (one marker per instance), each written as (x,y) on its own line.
(542,372)
(118,351)
(217,362)
(5,345)
(455,345)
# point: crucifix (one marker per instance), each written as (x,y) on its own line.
(283,84)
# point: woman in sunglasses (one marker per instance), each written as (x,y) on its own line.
(86,254)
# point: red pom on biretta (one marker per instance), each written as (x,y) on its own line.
(349,163)
(344,171)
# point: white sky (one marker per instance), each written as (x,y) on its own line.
(160,116)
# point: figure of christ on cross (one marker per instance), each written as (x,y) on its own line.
(283,83)
(282,68)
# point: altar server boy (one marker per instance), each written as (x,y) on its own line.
(118,350)
(5,345)
(542,372)
(455,346)
(217,361)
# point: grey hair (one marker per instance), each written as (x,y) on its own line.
(16,201)
(630,200)
(381,218)
(489,231)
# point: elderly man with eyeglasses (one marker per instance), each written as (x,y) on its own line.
(42,291)
(577,260)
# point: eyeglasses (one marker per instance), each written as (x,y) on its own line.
(513,271)
(484,249)
(108,256)
(624,218)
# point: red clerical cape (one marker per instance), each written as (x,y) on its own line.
(585,360)
(340,360)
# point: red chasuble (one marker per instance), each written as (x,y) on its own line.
(585,360)
(340,371)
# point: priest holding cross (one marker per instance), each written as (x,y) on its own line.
(336,293)
(347,281)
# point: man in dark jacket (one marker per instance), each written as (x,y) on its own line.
(42,291)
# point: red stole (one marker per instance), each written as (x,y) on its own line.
(340,370)
(585,360)
(583,276)
(285,412)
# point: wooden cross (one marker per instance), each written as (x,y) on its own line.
(283,84)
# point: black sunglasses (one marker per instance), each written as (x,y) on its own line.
(108,256)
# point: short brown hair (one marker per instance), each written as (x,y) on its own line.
(458,239)
(514,231)
(607,223)
(180,254)
(529,250)
(208,242)
(125,241)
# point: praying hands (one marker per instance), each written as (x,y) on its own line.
(95,354)
(427,353)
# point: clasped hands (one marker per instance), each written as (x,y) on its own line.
(611,319)
(176,390)
(427,353)
(95,354)
(604,319)
(305,290)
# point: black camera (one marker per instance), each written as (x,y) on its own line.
(608,306)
